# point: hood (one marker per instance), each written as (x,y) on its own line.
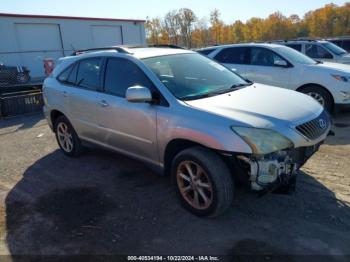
(261,106)
(336,67)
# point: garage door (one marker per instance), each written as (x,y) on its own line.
(36,42)
(106,35)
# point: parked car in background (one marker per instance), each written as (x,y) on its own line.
(13,75)
(281,66)
(319,50)
(343,42)
(186,115)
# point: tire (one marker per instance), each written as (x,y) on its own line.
(74,146)
(212,172)
(22,78)
(319,92)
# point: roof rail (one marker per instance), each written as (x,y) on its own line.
(167,46)
(303,39)
(119,49)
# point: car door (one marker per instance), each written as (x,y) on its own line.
(266,67)
(125,126)
(80,93)
(318,52)
(233,58)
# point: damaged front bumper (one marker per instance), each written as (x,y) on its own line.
(275,171)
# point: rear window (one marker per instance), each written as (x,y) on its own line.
(295,47)
(206,51)
(232,55)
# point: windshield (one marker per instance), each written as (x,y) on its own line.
(294,56)
(334,48)
(193,76)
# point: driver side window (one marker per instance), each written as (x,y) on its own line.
(121,74)
(264,57)
(316,51)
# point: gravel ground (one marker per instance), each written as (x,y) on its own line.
(105,203)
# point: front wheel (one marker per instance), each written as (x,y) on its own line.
(202,181)
(320,95)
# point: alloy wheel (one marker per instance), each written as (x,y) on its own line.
(317,97)
(194,185)
(65,137)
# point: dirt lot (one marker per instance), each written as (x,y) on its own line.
(105,203)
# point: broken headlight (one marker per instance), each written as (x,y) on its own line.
(263,141)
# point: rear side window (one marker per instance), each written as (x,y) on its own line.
(122,74)
(295,46)
(63,77)
(232,55)
(88,75)
(206,51)
(72,78)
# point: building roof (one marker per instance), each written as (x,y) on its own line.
(70,17)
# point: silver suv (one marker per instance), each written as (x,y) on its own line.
(186,115)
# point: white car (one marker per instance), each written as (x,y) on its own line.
(319,50)
(281,66)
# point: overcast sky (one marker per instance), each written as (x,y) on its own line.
(230,10)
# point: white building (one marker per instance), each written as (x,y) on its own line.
(27,39)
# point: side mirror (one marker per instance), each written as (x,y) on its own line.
(138,94)
(281,63)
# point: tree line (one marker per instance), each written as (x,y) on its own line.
(182,27)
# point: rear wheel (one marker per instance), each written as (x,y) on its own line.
(202,181)
(66,137)
(320,95)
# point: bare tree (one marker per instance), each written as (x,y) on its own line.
(153,30)
(216,24)
(172,27)
(186,19)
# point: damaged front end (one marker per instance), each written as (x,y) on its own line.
(275,172)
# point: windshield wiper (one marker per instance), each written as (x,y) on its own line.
(218,92)
(241,85)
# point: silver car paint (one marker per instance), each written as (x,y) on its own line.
(143,130)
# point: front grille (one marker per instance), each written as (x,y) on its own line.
(316,127)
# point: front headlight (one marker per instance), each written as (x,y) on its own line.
(263,141)
(341,78)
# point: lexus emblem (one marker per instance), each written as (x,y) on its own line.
(322,123)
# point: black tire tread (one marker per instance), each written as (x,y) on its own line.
(219,174)
(323,92)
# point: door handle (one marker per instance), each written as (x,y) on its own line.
(103,103)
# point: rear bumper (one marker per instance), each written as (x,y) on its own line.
(47,116)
